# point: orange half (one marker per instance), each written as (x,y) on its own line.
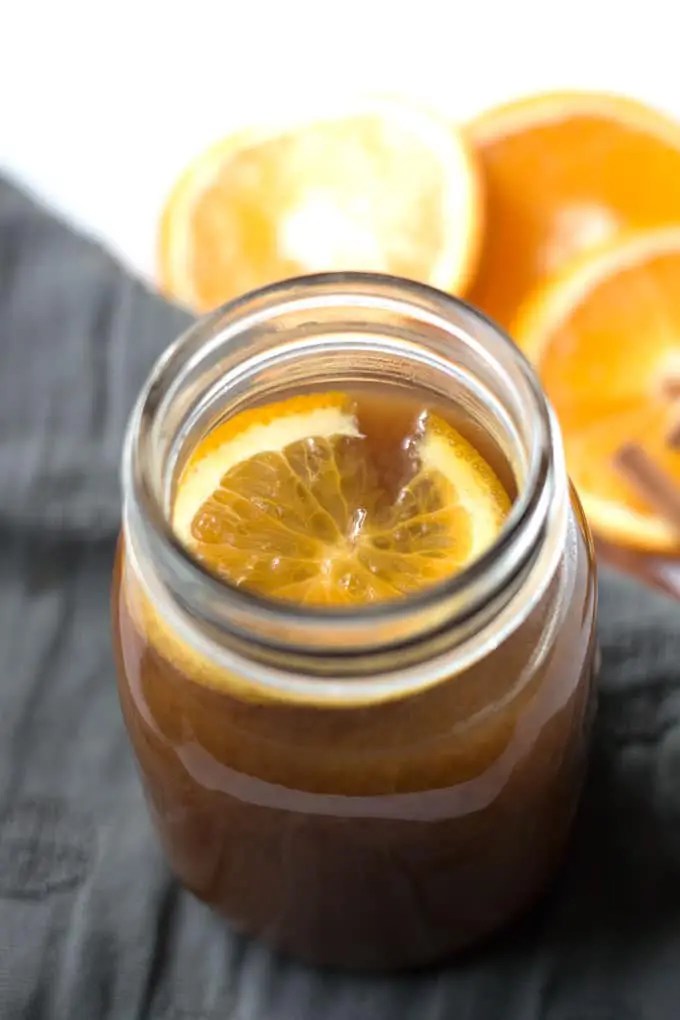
(605,337)
(564,174)
(384,187)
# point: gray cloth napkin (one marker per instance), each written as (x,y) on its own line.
(91,923)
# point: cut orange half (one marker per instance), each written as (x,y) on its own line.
(284,501)
(605,336)
(563,175)
(384,187)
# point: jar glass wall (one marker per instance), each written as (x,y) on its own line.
(362,789)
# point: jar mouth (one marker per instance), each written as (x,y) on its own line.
(164,407)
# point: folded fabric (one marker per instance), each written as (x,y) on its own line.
(77,338)
(91,923)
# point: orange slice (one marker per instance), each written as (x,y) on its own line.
(285,501)
(564,174)
(605,337)
(383,187)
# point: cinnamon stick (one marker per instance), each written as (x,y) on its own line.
(670,390)
(649,481)
(670,387)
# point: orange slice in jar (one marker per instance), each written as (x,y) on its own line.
(284,501)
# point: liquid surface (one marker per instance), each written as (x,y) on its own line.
(338,498)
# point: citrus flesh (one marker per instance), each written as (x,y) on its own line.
(564,174)
(381,187)
(605,337)
(285,501)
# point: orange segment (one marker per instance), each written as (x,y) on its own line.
(285,501)
(564,174)
(382,187)
(605,336)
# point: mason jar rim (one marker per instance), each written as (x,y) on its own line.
(146,505)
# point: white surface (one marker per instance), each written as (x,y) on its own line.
(102,105)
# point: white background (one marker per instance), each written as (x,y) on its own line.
(103,104)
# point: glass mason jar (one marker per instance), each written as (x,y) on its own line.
(373,788)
